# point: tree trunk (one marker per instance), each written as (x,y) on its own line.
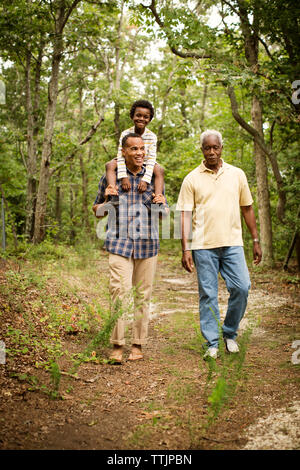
(204,98)
(13,227)
(118,76)
(84,186)
(58,205)
(31,164)
(263,195)
(183,112)
(43,188)
(164,106)
(62,15)
(298,251)
(117,123)
(294,243)
(84,176)
(32,109)
(72,219)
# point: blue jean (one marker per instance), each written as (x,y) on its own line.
(230,262)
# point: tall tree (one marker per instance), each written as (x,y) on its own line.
(25,28)
(61,11)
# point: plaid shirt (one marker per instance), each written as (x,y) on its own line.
(133,228)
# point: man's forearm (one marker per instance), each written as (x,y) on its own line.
(186,260)
(249,217)
(186,217)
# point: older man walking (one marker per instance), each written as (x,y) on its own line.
(132,241)
(212,196)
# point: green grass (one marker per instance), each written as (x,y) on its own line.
(179,391)
(225,374)
(39,288)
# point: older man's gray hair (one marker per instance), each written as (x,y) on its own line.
(208,133)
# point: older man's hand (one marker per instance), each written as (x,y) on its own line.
(257,253)
(187,261)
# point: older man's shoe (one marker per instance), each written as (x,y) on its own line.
(231,346)
(211,353)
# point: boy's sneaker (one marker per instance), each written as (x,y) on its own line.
(211,352)
(231,345)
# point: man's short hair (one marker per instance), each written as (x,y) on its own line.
(127,136)
(142,104)
(210,132)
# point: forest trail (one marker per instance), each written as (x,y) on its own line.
(162,402)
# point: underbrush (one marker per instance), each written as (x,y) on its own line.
(47,299)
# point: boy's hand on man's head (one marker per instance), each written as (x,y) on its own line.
(126,186)
(142,186)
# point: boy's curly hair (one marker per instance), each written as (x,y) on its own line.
(142,104)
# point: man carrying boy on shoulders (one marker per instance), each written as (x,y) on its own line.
(132,241)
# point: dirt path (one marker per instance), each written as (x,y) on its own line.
(162,401)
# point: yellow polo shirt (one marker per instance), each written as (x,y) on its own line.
(215,199)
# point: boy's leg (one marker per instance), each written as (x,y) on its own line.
(111,175)
(158,172)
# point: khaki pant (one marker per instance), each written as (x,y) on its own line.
(126,273)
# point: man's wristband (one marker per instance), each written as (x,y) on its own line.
(255,240)
(188,249)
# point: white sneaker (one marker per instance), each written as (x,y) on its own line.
(211,352)
(231,345)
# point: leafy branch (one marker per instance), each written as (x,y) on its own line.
(161,24)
